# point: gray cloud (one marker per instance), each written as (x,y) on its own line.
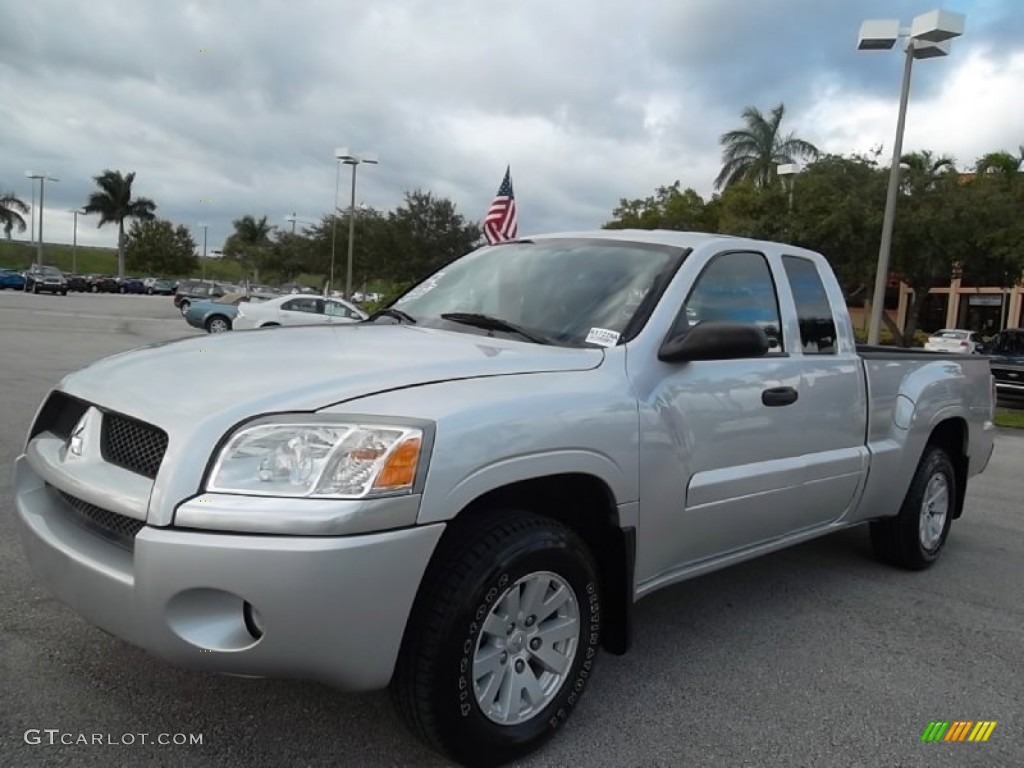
(589,100)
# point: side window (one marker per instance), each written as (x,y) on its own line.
(301,305)
(734,288)
(336,309)
(817,325)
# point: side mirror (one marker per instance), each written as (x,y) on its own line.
(715,341)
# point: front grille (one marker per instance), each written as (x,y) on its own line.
(116,528)
(133,445)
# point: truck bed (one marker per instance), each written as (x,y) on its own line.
(875,352)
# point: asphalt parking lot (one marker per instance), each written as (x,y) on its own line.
(816,656)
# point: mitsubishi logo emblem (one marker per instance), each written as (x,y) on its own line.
(76,441)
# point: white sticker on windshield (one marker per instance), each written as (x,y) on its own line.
(603,336)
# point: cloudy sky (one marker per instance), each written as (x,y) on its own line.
(242,103)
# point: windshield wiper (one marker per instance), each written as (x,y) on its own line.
(392,312)
(491,323)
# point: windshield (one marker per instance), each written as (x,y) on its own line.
(1009,344)
(564,290)
(52,271)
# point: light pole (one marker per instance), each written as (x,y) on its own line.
(74,242)
(928,37)
(788,169)
(32,233)
(203,260)
(346,157)
(43,178)
(294,218)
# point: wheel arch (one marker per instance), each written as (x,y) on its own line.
(586,504)
(953,435)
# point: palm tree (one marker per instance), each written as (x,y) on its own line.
(752,153)
(114,203)
(1001,163)
(924,170)
(11,208)
(250,241)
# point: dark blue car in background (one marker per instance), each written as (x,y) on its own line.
(11,279)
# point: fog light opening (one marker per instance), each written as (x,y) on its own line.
(252,620)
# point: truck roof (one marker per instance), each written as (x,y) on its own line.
(669,237)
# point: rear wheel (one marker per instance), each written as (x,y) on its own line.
(502,639)
(218,324)
(184,307)
(915,537)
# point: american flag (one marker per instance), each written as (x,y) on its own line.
(500,223)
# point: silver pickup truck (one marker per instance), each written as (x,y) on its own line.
(463,497)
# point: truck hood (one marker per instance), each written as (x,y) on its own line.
(227,377)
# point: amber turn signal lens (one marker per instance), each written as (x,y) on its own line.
(400,468)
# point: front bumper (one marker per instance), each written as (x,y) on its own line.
(330,608)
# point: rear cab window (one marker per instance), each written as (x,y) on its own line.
(814,311)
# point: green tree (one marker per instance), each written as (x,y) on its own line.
(250,244)
(424,234)
(1001,164)
(837,211)
(671,207)
(752,153)
(157,247)
(113,202)
(11,210)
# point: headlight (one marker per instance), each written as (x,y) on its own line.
(318,460)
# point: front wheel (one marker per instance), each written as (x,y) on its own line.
(915,537)
(502,639)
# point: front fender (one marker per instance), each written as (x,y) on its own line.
(514,469)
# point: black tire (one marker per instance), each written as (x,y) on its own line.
(35,288)
(898,540)
(184,307)
(64,293)
(224,324)
(433,688)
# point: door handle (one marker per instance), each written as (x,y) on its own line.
(777,396)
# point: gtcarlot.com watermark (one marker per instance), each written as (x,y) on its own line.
(55,736)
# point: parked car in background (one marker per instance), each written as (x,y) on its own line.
(102,284)
(954,340)
(130,285)
(296,310)
(297,288)
(359,297)
(218,315)
(158,286)
(77,283)
(43,279)
(1006,356)
(189,291)
(11,279)
(464,498)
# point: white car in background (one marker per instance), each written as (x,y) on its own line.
(954,340)
(296,309)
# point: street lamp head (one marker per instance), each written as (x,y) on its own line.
(351,158)
(924,50)
(937,26)
(878,34)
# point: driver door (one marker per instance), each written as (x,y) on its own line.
(735,425)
